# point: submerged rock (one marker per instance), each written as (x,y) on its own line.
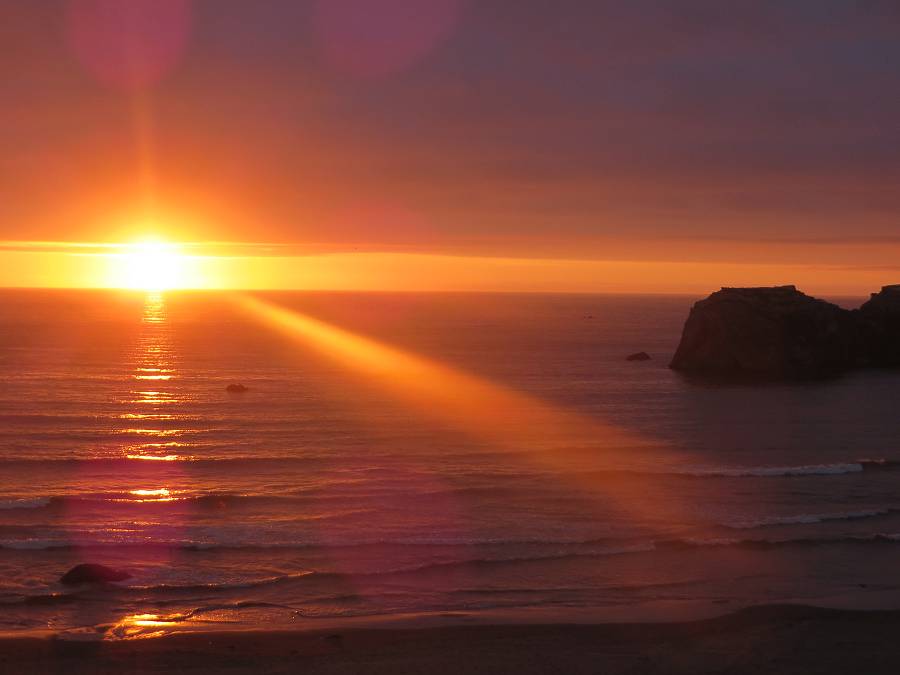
(776,332)
(88,573)
(236,388)
(640,356)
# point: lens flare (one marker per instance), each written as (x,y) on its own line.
(129,45)
(375,39)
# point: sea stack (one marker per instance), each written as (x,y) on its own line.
(772,333)
(880,325)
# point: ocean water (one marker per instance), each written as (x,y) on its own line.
(419,455)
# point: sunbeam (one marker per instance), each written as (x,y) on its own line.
(613,465)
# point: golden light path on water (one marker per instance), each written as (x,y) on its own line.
(494,413)
(152,357)
(155,359)
(155,363)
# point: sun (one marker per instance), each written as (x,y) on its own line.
(152,266)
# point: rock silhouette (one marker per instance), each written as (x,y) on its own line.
(781,333)
(640,356)
(880,326)
(88,573)
(236,388)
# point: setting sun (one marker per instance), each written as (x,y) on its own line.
(153,266)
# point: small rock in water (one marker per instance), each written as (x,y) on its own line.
(236,388)
(640,356)
(88,573)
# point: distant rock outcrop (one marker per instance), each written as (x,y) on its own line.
(88,573)
(781,333)
(236,388)
(880,327)
(640,356)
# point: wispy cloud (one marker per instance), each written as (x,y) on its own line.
(199,248)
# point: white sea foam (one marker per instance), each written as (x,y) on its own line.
(807,518)
(32,503)
(765,471)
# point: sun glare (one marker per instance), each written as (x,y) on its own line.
(152,266)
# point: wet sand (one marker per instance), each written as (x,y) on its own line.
(772,639)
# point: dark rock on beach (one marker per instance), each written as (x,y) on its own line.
(92,574)
(640,356)
(236,388)
(773,333)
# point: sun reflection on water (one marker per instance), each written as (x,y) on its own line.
(153,495)
(147,416)
(156,432)
(155,366)
(154,458)
(140,626)
(144,506)
(155,361)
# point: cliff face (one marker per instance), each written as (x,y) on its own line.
(880,325)
(777,333)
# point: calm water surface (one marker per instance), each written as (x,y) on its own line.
(330,491)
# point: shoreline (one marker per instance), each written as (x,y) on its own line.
(761,639)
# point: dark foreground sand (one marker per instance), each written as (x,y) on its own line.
(775,639)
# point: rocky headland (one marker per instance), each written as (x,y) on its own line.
(782,333)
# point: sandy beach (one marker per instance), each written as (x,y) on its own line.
(769,639)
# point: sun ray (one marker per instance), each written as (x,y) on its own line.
(539,431)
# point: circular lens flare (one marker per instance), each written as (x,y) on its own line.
(369,39)
(129,44)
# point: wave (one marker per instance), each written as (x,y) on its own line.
(172,591)
(599,547)
(414,569)
(224,586)
(37,545)
(201,546)
(787,471)
(115,462)
(810,518)
(766,544)
(228,463)
(305,577)
(176,593)
(525,548)
(129,499)
(26,503)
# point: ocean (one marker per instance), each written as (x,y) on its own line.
(419,455)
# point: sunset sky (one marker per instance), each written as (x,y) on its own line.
(627,145)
